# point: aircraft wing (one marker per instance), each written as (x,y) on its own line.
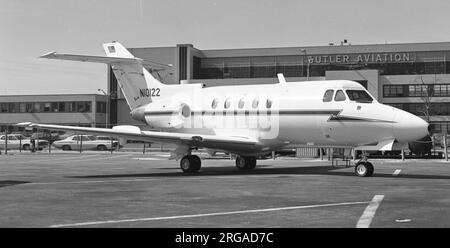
(229,143)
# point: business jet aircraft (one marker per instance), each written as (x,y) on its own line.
(249,120)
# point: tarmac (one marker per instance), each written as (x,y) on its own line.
(131,189)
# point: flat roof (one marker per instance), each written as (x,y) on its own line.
(49,97)
(334,49)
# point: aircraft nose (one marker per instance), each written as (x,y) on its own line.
(408,127)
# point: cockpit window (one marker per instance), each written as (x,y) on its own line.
(328,96)
(359,96)
(340,96)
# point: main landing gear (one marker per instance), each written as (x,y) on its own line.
(363,167)
(190,163)
(245,163)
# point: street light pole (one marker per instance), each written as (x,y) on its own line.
(307,65)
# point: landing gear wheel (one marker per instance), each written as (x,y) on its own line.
(245,163)
(190,163)
(364,169)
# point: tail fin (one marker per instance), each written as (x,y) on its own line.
(136,83)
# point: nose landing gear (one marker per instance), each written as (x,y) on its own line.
(363,167)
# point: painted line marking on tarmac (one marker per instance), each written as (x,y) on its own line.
(208,214)
(368,214)
(148,158)
(396,172)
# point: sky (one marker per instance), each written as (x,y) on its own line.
(30,28)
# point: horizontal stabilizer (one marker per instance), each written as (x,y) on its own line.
(90,58)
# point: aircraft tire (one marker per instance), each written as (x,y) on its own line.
(245,163)
(364,169)
(190,164)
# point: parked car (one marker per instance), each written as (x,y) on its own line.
(86,142)
(108,139)
(50,137)
(18,141)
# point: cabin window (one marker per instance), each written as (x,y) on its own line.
(214,103)
(227,103)
(328,96)
(268,103)
(241,103)
(340,96)
(359,96)
(255,103)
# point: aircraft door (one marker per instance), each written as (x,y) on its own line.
(323,120)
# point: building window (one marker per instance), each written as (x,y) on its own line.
(417,90)
(37,107)
(54,107)
(441,90)
(12,107)
(101,107)
(29,107)
(73,107)
(4,107)
(87,106)
(394,91)
(47,107)
(62,107)
(22,107)
(81,108)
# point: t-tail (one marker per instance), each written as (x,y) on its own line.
(136,83)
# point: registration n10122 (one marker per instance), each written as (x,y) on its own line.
(149,92)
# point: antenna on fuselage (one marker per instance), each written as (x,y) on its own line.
(281,78)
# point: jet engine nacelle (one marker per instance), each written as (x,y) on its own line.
(163,114)
(422,146)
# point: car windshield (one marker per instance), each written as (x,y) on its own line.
(359,96)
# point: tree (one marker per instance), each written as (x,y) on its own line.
(427,92)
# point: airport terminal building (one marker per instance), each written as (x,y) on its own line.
(407,76)
(67,109)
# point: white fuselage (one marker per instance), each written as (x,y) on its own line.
(285,114)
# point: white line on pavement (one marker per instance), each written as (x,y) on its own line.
(396,172)
(366,218)
(208,214)
(149,158)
